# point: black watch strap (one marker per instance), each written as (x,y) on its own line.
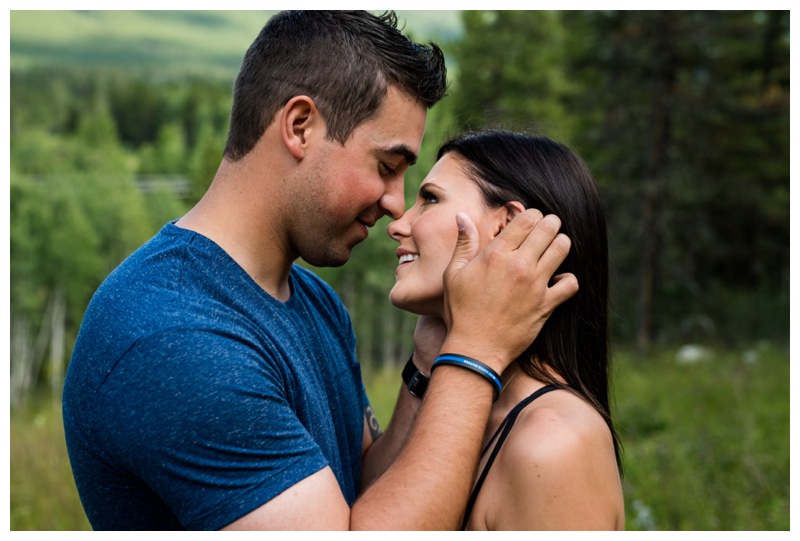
(416,381)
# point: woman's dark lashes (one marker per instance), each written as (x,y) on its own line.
(426,195)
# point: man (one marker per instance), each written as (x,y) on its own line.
(214,383)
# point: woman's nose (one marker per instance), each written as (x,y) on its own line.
(399,228)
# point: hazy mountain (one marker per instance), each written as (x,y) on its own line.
(207,42)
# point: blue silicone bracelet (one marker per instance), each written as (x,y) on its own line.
(471,364)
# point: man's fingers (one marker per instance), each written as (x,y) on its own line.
(542,238)
(554,254)
(467,246)
(564,286)
(517,230)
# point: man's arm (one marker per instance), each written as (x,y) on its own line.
(428,484)
(429,333)
(413,492)
(380,449)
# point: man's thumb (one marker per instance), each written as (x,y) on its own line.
(467,244)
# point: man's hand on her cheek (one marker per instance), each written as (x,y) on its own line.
(497,299)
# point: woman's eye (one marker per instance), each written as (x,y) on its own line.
(428,197)
(386,170)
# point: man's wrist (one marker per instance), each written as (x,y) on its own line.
(492,357)
(473,365)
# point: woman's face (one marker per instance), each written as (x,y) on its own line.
(427,234)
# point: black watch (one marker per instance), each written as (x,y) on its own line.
(416,381)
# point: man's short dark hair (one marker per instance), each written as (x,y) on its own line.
(344,60)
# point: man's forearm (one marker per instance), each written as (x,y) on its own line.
(428,336)
(428,485)
(384,450)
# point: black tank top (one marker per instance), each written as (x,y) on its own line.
(505,428)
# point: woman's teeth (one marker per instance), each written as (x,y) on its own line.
(408,258)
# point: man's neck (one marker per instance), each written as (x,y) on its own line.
(239,214)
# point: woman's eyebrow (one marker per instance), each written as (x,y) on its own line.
(430,185)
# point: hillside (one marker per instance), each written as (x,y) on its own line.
(207,42)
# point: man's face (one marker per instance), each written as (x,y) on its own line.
(346,189)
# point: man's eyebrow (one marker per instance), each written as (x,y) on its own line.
(404,151)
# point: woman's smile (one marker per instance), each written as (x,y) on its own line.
(427,234)
(405,257)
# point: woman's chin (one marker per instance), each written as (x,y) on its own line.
(421,307)
(398,301)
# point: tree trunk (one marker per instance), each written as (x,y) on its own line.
(655,175)
(57,324)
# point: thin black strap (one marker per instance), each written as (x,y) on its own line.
(505,427)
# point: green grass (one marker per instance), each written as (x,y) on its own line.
(43,493)
(706,446)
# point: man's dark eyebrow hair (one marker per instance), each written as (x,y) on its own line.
(404,151)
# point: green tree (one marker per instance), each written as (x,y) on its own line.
(75,213)
(205,157)
(683,118)
(686,127)
(167,155)
(163,205)
(511,72)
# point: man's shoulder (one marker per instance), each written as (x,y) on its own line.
(137,286)
(147,293)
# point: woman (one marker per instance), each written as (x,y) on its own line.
(559,467)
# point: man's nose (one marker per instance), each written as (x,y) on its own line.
(393,200)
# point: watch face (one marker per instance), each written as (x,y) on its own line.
(416,381)
(418,384)
(409,370)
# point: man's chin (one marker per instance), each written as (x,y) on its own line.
(329,259)
(336,254)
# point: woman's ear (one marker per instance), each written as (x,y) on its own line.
(297,118)
(507,213)
(513,208)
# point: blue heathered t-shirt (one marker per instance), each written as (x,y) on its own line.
(193,397)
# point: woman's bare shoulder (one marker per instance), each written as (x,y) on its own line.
(557,427)
(557,469)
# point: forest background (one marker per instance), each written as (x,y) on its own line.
(117,124)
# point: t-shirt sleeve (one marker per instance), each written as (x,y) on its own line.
(205,420)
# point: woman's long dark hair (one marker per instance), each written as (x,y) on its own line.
(543,174)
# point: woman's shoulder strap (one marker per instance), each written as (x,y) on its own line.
(503,430)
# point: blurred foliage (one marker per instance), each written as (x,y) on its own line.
(682,116)
(705,443)
(43,492)
(512,72)
(159,41)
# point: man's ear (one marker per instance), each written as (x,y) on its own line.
(297,120)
